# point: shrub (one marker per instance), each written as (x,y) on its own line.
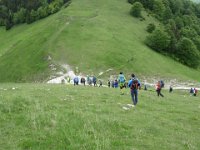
(131,1)
(188,53)
(136,9)
(20,16)
(158,40)
(151,27)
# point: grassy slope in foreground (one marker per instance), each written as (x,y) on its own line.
(95,37)
(37,116)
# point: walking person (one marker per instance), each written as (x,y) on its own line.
(83,81)
(158,89)
(134,85)
(76,81)
(94,80)
(121,81)
(100,83)
(195,91)
(109,83)
(170,89)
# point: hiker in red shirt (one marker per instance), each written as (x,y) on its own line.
(158,89)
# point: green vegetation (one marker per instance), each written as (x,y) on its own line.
(180,19)
(42,117)
(13,12)
(100,35)
(137,9)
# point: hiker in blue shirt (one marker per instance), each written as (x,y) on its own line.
(121,80)
(94,79)
(115,84)
(134,85)
(76,81)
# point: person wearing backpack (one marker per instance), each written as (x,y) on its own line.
(121,81)
(195,91)
(158,89)
(76,81)
(134,85)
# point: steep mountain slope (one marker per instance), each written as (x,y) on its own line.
(92,35)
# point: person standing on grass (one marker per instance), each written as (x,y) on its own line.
(170,89)
(83,81)
(100,83)
(121,81)
(195,91)
(109,83)
(158,89)
(94,80)
(134,85)
(76,81)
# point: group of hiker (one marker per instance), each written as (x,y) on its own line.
(89,80)
(133,83)
(193,91)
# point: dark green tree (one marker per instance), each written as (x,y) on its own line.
(159,40)
(151,27)
(136,9)
(188,53)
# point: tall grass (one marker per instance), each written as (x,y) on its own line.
(39,116)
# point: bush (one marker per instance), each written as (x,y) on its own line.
(32,16)
(158,40)
(136,9)
(2,23)
(8,24)
(42,12)
(151,27)
(20,16)
(55,6)
(188,53)
(131,1)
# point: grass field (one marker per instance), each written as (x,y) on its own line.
(43,117)
(94,37)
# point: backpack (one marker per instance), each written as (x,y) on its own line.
(162,84)
(135,84)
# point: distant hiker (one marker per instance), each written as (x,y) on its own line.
(76,81)
(63,81)
(121,79)
(109,83)
(88,79)
(112,83)
(94,80)
(195,91)
(158,89)
(145,87)
(115,84)
(191,91)
(170,89)
(68,79)
(134,85)
(83,81)
(162,84)
(100,83)
(90,82)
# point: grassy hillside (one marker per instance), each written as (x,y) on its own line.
(93,35)
(43,117)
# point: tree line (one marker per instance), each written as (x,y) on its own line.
(179,36)
(14,12)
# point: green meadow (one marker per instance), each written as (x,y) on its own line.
(43,117)
(94,36)
(91,35)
